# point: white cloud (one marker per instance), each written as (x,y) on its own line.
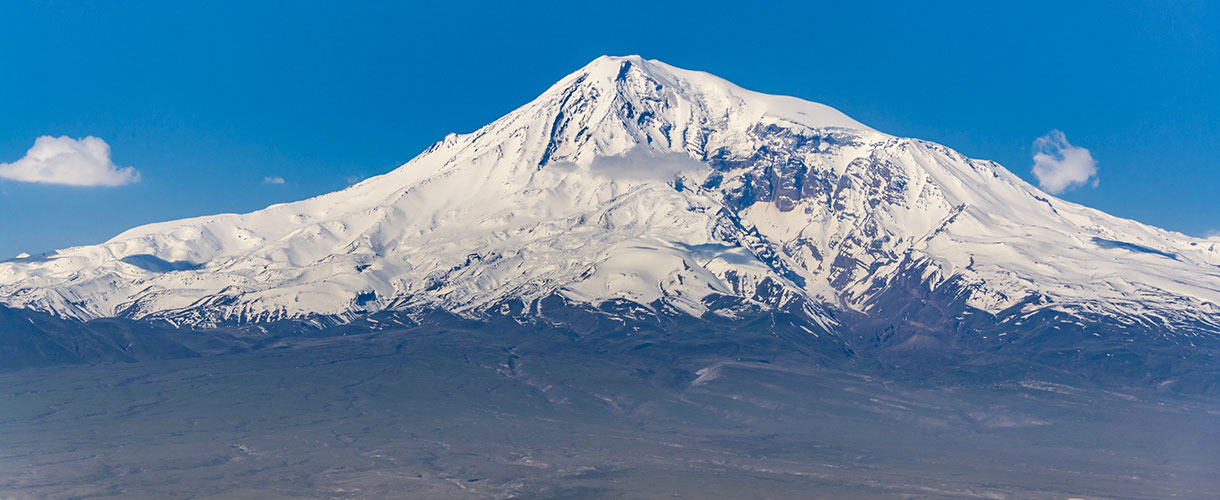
(273,180)
(638,164)
(64,160)
(1060,166)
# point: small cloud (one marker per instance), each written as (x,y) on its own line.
(1214,234)
(1060,166)
(352,179)
(638,164)
(273,180)
(67,161)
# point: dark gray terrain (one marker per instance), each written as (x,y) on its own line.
(587,406)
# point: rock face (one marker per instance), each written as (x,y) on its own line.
(636,182)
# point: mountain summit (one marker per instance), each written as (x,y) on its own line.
(676,191)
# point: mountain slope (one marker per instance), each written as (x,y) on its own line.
(672,189)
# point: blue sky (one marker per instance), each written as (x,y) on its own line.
(208,100)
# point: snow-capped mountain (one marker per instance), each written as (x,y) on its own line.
(672,189)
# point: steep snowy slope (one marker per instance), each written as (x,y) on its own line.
(631,179)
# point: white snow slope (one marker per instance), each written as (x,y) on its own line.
(631,179)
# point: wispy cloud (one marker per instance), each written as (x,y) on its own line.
(67,161)
(1060,166)
(273,180)
(1214,234)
